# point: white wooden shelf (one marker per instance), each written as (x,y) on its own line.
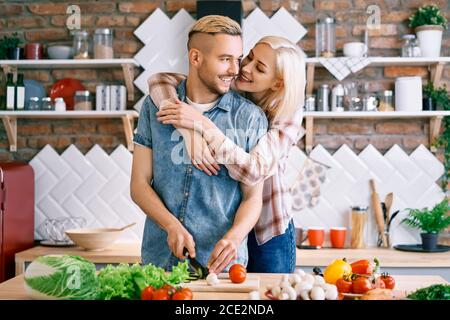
(127,65)
(435,119)
(435,66)
(9,119)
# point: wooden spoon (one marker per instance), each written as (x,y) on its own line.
(126,227)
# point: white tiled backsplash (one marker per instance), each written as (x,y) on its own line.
(166,51)
(96,186)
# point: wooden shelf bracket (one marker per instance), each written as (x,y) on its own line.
(128,126)
(128,74)
(435,128)
(10,124)
(309,126)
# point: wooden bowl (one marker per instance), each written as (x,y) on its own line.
(94,239)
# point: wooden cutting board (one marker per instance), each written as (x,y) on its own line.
(251,283)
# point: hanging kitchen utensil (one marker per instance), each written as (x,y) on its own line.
(378,211)
(388,205)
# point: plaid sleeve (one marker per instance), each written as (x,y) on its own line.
(162,86)
(261,162)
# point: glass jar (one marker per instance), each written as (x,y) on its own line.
(47,104)
(358,225)
(408,45)
(80,44)
(386,101)
(82,101)
(103,44)
(34,104)
(310,102)
(325,37)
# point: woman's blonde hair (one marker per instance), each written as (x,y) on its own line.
(290,67)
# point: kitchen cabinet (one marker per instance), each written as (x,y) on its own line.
(9,118)
(14,288)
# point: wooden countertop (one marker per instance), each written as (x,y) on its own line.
(131,253)
(14,289)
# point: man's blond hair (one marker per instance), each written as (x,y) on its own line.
(214,24)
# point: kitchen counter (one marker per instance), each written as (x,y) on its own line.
(14,289)
(131,253)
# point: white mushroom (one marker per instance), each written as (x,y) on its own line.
(212,279)
(300,272)
(285,284)
(276,290)
(328,286)
(308,278)
(305,295)
(283,296)
(317,293)
(303,286)
(294,278)
(254,295)
(331,293)
(319,281)
(291,292)
(285,278)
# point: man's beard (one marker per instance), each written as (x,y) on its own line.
(212,83)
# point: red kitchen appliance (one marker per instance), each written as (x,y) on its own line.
(16,213)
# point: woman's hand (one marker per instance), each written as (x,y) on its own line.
(199,153)
(181,115)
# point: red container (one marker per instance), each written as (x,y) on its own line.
(16,214)
(34,51)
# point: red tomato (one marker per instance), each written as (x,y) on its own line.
(161,294)
(147,293)
(388,280)
(182,294)
(170,289)
(237,273)
(362,267)
(344,286)
(361,285)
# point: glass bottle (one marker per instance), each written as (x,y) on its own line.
(82,101)
(10,93)
(325,37)
(80,44)
(408,45)
(103,46)
(20,93)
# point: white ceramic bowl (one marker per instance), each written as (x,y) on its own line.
(354,49)
(94,239)
(60,52)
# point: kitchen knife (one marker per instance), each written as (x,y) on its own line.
(378,211)
(200,271)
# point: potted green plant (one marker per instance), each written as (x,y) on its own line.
(429,23)
(430,222)
(10,47)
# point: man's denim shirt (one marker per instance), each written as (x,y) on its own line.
(205,205)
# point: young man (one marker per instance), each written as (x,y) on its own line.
(210,216)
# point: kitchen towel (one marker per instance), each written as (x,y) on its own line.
(341,67)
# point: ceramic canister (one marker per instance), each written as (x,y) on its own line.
(408,94)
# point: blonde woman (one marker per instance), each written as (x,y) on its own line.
(273,77)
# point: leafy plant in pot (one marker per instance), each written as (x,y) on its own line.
(430,222)
(429,23)
(10,47)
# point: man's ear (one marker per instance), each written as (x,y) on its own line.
(278,84)
(195,57)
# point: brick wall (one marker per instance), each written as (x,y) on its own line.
(43,21)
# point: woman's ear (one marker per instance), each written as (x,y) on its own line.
(278,84)
(195,57)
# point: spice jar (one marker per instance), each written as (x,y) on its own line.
(103,47)
(325,37)
(358,226)
(385,101)
(34,104)
(47,104)
(60,105)
(82,101)
(80,44)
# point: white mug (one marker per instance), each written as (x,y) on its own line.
(354,49)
